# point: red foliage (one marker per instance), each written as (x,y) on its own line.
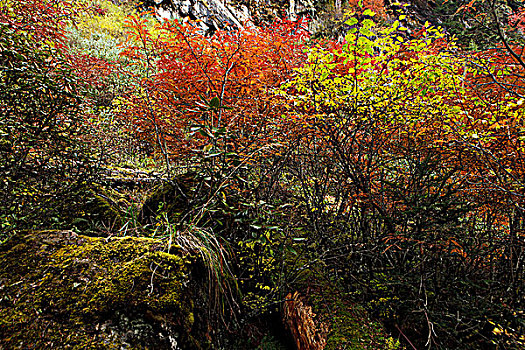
(191,77)
(91,71)
(378,6)
(42,19)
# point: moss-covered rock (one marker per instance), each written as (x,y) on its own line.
(62,290)
(102,208)
(173,198)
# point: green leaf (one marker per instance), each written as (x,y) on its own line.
(219,131)
(369,12)
(351,21)
(291,250)
(368,23)
(365,32)
(215,102)
(205,132)
(363,42)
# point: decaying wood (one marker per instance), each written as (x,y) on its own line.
(300,320)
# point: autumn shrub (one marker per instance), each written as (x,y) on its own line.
(394,170)
(208,102)
(94,44)
(42,20)
(207,106)
(390,167)
(478,25)
(59,119)
(399,162)
(198,85)
(103,18)
(43,162)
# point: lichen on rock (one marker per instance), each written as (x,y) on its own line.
(63,290)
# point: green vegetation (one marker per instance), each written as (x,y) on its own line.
(43,162)
(261,188)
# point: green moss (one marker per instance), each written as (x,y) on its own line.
(102,207)
(172,199)
(350,326)
(64,290)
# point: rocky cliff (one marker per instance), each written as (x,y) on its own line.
(221,14)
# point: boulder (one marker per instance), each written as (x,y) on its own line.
(63,290)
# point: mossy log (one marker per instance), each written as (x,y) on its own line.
(63,290)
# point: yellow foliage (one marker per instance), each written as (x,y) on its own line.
(104,17)
(414,86)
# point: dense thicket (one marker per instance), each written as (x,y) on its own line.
(42,158)
(385,168)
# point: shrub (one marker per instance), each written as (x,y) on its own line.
(41,158)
